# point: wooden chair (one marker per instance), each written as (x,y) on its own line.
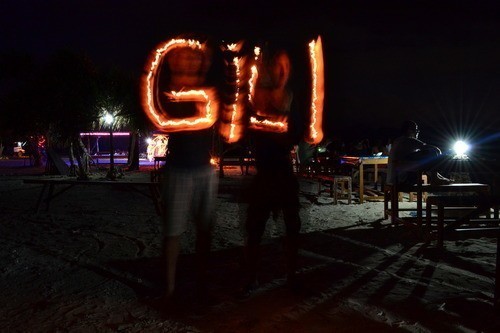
(338,186)
(393,194)
(412,196)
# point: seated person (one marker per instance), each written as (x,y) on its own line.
(409,154)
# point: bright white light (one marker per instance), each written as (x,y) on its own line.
(149,141)
(460,148)
(108,119)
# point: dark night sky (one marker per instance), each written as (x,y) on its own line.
(434,61)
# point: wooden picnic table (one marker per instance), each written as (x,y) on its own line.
(420,189)
(361,162)
(474,207)
(49,191)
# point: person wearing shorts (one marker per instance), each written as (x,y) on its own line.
(275,187)
(189,191)
(189,185)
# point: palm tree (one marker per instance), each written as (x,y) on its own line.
(119,96)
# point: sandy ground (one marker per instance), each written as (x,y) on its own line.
(91,261)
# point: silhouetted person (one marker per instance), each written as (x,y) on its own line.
(190,182)
(275,187)
(408,155)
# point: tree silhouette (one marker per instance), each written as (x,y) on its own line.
(56,100)
(118,94)
(68,95)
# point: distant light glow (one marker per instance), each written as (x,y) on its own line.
(108,118)
(157,146)
(104,133)
(460,148)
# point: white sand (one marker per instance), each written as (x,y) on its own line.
(87,264)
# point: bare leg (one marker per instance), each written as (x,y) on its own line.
(437,179)
(242,162)
(255,227)
(171,245)
(203,242)
(252,254)
(291,242)
(291,249)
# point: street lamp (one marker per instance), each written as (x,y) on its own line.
(108,119)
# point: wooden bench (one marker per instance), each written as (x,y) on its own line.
(392,197)
(244,162)
(156,174)
(107,156)
(477,220)
(475,210)
(49,192)
(159,161)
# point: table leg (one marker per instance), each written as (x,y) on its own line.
(496,295)
(419,207)
(40,197)
(156,197)
(361,184)
(440,225)
(394,205)
(49,197)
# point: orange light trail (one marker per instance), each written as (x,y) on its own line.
(276,126)
(232,135)
(204,120)
(267,124)
(190,96)
(231,127)
(254,74)
(315,134)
